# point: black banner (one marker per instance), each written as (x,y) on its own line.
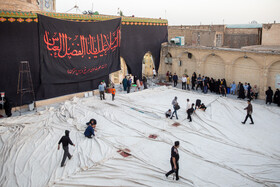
(137,41)
(78,51)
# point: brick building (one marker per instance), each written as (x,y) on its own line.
(232,36)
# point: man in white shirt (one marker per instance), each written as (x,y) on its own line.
(154,72)
(184,81)
(189,105)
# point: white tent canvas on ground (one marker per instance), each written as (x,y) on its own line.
(133,142)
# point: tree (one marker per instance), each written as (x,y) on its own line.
(121,13)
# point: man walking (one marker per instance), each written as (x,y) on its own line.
(190,112)
(101,88)
(175,107)
(188,105)
(249,109)
(65,140)
(174,160)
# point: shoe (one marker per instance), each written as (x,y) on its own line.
(177,118)
(63,165)
(166,175)
(190,121)
(70,157)
(177,179)
(252,123)
(243,122)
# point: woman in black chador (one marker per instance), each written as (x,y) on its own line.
(241,94)
(276,96)
(269,94)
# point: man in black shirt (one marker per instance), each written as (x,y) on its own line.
(174,160)
(190,112)
(65,140)
(175,79)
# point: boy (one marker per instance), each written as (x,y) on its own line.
(65,140)
(90,129)
(168,113)
(113,93)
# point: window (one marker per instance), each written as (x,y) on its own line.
(219,40)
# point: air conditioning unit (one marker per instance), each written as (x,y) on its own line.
(178,40)
(175,41)
(181,39)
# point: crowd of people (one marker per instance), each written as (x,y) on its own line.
(127,83)
(220,86)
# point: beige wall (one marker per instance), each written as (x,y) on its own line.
(271,34)
(258,68)
(214,66)
(118,76)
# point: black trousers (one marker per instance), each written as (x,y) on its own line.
(102,95)
(65,155)
(175,83)
(113,97)
(145,85)
(193,85)
(183,85)
(189,115)
(199,84)
(173,170)
(250,116)
(128,89)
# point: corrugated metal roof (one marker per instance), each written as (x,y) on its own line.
(244,26)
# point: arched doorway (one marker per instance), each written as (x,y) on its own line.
(246,70)
(118,76)
(274,76)
(214,67)
(148,64)
(168,59)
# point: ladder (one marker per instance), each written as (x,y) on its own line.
(25,84)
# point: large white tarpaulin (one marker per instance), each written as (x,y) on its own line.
(215,149)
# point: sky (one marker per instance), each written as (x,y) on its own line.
(184,12)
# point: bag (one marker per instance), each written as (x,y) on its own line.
(177,107)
